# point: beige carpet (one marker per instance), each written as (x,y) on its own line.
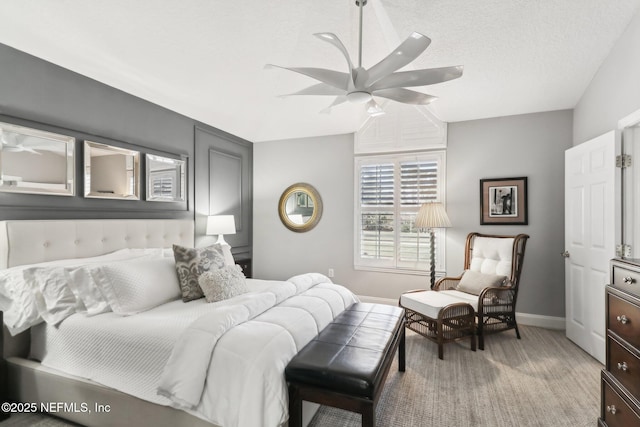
(541,380)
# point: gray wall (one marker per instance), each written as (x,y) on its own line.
(327,164)
(529,145)
(614,92)
(39,94)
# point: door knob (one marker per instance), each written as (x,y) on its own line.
(565,254)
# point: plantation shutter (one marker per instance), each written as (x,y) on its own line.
(377,192)
(418,182)
(163,187)
(390,191)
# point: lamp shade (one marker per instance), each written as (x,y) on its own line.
(221,224)
(432,215)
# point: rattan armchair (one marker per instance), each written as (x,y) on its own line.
(495,306)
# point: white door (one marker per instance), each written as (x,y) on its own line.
(591,225)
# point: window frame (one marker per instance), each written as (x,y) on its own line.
(396,265)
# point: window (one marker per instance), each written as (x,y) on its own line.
(389,192)
(162,184)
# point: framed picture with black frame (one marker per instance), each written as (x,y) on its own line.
(503,201)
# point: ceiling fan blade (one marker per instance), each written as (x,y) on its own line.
(405,96)
(333,78)
(408,50)
(30,150)
(418,77)
(360,78)
(334,40)
(318,89)
(339,100)
(19,149)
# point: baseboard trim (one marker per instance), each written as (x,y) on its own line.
(378,300)
(548,322)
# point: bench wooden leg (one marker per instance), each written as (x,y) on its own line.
(295,407)
(369,416)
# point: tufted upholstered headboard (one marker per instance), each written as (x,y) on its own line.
(34,241)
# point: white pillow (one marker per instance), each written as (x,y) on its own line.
(85,289)
(54,299)
(18,302)
(133,287)
(474,282)
(18,298)
(223,283)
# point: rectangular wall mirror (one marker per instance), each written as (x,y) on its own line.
(35,161)
(111,172)
(165,179)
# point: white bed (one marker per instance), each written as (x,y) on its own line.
(127,369)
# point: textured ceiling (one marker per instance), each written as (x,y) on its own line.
(205,58)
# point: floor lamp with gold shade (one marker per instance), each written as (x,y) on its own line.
(430,216)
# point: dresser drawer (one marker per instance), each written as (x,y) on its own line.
(615,411)
(627,280)
(624,319)
(624,366)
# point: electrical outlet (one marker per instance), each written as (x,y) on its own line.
(331,272)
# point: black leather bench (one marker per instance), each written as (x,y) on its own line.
(346,365)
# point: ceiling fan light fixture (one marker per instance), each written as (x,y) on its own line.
(373,109)
(359,97)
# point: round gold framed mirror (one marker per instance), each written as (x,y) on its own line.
(300,207)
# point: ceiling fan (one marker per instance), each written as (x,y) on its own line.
(14,144)
(360,85)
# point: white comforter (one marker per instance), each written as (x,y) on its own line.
(224,363)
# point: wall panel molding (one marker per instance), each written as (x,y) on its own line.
(224,186)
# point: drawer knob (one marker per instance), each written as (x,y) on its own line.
(622,319)
(623,366)
(611,409)
(628,280)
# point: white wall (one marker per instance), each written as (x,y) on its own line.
(529,145)
(46,167)
(614,92)
(109,174)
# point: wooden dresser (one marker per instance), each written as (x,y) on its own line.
(620,405)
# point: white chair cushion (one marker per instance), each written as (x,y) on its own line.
(429,303)
(474,282)
(492,255)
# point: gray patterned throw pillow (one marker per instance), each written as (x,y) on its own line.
(223,283)
(191,263)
